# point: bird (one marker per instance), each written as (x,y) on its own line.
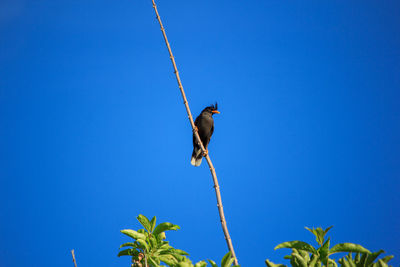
(204,124)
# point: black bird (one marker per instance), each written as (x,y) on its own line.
(205,126)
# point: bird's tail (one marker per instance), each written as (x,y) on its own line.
(196,157)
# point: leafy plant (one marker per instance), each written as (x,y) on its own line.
(226,261)
(365,260)
(150,248)
(300,256)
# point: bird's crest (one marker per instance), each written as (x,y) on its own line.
(214,106)
(212,109)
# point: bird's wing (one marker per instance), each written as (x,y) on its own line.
(196,122)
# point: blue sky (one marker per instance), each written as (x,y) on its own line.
(93,130)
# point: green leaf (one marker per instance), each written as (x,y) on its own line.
(153,223)
(125,252)
(371,257)
(314,233)
(324,252)
(144,221)
(165,246)
(227,260)
(357,258)
(153,262)
(349,260)
(311,230)
(184,264)
(180,252)
(161,236)
(179,257)
(229,263)
(319,233)
(314,259)
(128,244)
(327,229)
(363,260)
(144,244)
(271,264)
(168,259)
(162,227)
(153,242)
(294,262)
(297,245)
(213,264)
(348,247)
(201,264)
(163,251)
(304,254)
(381,263)
(387,258)
(300,260)
(332,262)
(344,262)
(133,234)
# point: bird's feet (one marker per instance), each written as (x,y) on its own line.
(195,129)
(205,153)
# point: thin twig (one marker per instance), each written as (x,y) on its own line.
(196,134)
(73,257)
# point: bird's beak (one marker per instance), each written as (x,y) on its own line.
(215,112)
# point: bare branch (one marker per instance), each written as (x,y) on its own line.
(196,134)
(73,257)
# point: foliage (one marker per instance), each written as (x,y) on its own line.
(365,260)
(150,248)
(305,255)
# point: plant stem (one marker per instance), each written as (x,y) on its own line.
(73,257)
(196,134)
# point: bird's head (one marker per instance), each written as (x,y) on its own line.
(213,109)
